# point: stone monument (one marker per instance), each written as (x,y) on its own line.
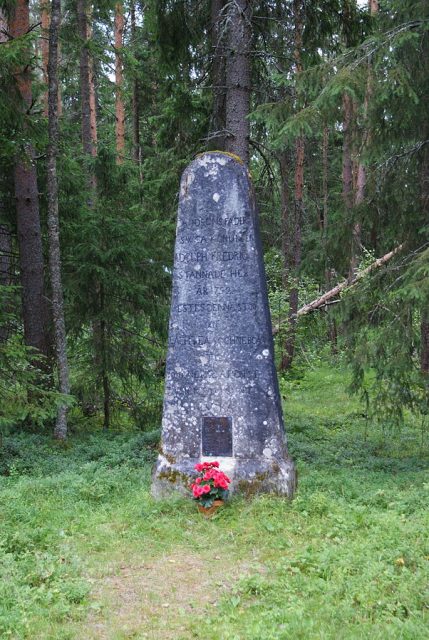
(221,393)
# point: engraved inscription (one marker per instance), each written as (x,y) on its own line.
(216,436)
(221,221)
(214,307)
(223,238)
(214,274)
(183,340)
(191,257)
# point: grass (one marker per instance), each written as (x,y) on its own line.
(85,552)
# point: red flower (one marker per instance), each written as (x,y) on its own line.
(214,480)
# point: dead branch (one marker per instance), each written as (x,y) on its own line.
(323,300)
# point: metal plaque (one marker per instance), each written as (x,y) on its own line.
(216,437)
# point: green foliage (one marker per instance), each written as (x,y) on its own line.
(346,558)
(383,335)
(117,253)
(26,394)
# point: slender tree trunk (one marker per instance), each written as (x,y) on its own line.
(5,274)
(361,177)
(424,345)
(325,153)
(347,152)
(119,81)
(60,431)
(238,78)
(5,253)
(87,90)
(103,337)
(89,143)
(287,219)
(373,7)
(298,208)
(332,325)
(27,207)
(424,199)
(45,20)
(347,174)
(218,27)
(284,161)
(135,99)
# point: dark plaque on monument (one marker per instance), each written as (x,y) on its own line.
(216,437)
(220,359)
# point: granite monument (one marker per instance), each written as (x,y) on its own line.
(221,393)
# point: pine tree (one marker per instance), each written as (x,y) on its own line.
(34,308)
(53,221)
(119,104)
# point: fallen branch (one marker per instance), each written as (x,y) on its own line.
(326,297)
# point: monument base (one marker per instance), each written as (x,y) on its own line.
(249,476)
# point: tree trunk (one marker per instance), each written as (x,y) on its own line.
(347,152)
(89,143)
(424,200)
(87,91)
(5,236)
(34,307)
(45,20)
(361,169)
(295,254)
(5,275)
(238,78)
(60,431)
(119,81)
(325,152)
(135,99)
(284,161)
(424,345)
(218,125)
(332,325)
(103,337)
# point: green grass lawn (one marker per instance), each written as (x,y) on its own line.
(86,553)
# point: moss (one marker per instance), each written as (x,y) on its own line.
(168,456)
(224,153)
(174,477)
(252,487)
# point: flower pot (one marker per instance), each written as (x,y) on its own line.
(208,512)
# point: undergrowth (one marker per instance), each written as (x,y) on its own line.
(348,558)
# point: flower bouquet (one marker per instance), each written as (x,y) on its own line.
(210,487)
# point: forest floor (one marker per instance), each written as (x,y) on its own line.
(86,553)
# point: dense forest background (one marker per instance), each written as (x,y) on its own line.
(103,104)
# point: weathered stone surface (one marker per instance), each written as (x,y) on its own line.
(221,392)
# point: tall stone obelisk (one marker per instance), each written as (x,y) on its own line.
(221,393)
